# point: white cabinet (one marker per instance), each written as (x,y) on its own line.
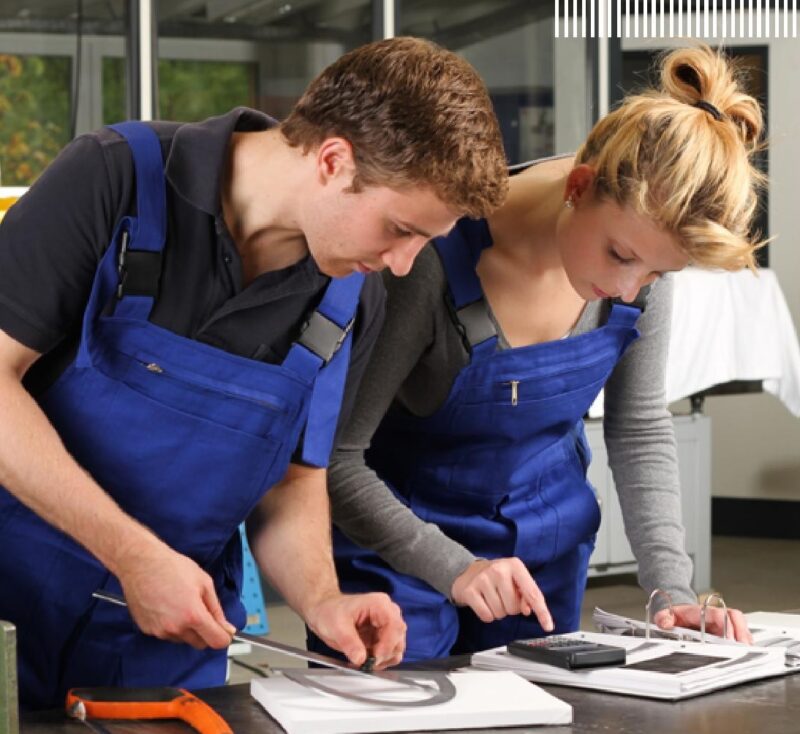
(612,552)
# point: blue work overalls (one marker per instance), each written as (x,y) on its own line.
(500,467)
(185,437)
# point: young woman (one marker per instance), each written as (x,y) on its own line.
(461,477)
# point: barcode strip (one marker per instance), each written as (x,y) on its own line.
(711,19)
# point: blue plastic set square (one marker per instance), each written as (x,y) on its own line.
(252,593)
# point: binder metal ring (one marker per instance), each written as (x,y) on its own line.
(703,616)
(653,595)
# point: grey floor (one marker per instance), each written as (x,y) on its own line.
(752,574)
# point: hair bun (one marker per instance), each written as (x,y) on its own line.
(700,74)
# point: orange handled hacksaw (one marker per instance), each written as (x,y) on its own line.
(145,703)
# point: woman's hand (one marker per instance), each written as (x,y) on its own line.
(497,588)
(688,615)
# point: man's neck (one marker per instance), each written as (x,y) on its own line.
(260,188)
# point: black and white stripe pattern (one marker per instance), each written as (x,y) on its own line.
(712,19)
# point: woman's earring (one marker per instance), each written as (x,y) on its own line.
(569,203)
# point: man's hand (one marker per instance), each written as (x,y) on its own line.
(172,598)
(169,595)
(361,625)
(688,615)
(495,589)
(290,536)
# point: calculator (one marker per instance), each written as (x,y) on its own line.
(567,652)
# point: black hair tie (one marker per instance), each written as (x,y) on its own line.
(708,107)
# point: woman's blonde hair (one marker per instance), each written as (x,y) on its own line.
(682,156)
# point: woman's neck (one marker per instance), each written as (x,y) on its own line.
(524,228)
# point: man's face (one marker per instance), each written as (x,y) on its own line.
(376,228)
(611,251)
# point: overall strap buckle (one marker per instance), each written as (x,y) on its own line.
(476,323)
(139,270)
(323,337)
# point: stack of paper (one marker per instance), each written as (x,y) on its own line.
(482,700)
(655,668)
(768,630)
(772,629)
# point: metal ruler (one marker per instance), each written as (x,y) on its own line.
(9,704)
(435,684)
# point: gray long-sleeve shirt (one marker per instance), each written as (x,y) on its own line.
(415,362)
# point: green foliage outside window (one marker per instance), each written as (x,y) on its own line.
(114,90)
(187,90)
(35,104)
(194,90)
(34,114)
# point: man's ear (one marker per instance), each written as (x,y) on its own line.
(335,159)
(579,182)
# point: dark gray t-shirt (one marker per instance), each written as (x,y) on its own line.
(414,364)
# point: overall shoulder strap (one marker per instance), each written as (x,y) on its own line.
(627,314)
(130,269)
(459,253)
(322,354)
(142,240)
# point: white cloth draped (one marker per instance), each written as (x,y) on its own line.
(730,326)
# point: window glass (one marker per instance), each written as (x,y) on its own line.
(47,77)
(114,90)
(34,114)
(511,45)
(224,84)
(216,55)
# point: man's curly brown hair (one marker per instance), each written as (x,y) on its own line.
(416,115)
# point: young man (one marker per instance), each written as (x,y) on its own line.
(152,389)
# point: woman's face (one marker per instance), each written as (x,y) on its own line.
(610,251)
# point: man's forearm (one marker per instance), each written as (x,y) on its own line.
(290,538)
(38,470)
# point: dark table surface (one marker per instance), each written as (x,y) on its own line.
(765,707)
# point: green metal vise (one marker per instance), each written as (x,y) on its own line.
(9,704)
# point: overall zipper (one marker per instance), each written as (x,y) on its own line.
(514,391)
(273,404)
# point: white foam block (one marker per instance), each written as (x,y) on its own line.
(483,699)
